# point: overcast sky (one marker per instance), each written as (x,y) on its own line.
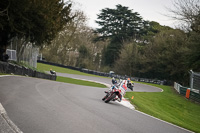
(152,10)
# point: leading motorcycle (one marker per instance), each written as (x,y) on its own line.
(111,95)
(117,91)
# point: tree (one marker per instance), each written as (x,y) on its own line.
(165,56)
(153,29)
(65,46)
(73,46)
(119,25)
(37,21)
(188,12)
(129,60)
(193,55)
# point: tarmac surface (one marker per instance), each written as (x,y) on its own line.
(137,86)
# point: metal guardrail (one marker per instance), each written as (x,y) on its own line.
(194,80)
(19,70)
(189,93)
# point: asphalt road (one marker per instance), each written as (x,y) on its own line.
(43,106)
(137,86)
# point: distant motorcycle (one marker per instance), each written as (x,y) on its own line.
(53,72)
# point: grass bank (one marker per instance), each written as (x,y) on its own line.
(3,74)
(45,67)
(168,106)
(79,82)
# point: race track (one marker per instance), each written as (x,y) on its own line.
(138,87)
(44,106)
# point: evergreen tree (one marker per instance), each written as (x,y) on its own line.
(119,25)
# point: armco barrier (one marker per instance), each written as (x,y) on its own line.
(193,95)
(19,70)
(55,64)
(183,90)
(3,67)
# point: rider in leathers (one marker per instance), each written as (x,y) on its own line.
(123,85)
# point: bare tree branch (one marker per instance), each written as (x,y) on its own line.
(186,11)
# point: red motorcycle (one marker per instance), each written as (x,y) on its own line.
(111,95)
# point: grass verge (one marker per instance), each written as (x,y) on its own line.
(3,74)
(45,67)
(79,82)
(168,106)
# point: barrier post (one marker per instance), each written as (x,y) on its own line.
(187,95)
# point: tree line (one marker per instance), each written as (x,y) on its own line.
(146,49)
(124,41)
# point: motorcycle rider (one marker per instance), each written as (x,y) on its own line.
(52,72)
(114,84)
(123,85)
(130,84)
(114,81)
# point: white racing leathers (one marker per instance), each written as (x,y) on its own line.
(123,87)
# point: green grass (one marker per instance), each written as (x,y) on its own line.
(45,67)
(168,106)
(3,74)
(79,82)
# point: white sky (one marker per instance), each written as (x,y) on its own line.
(152,10)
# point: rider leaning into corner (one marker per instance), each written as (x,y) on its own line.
(123,85)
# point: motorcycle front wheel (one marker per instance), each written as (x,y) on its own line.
(105,97)
(112,96)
